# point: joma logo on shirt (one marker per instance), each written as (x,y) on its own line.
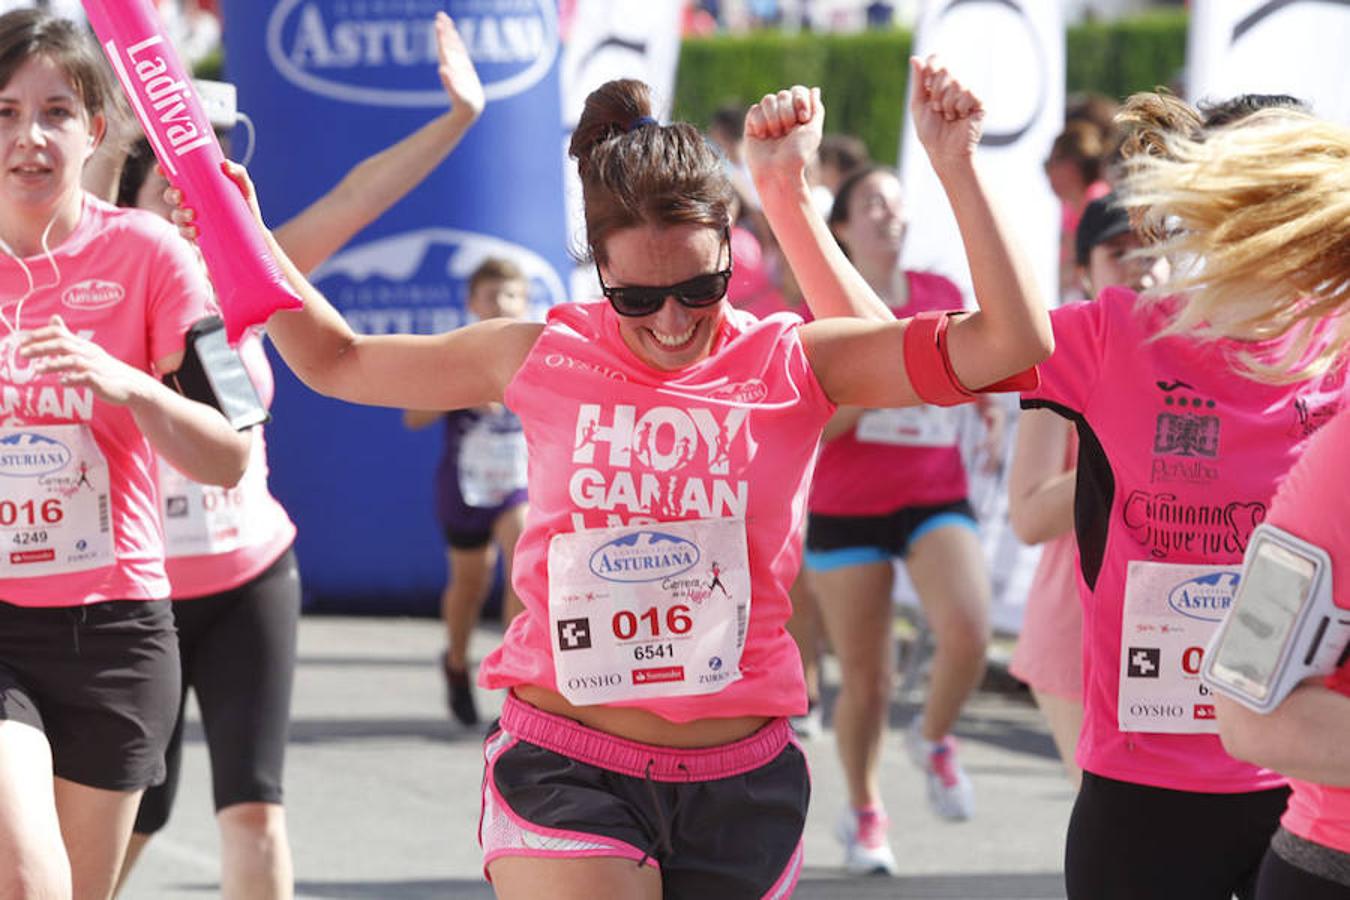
(93,294)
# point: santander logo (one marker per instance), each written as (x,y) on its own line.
(93,294)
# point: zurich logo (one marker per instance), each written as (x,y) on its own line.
(644,556)
(382,55)
(403,283)
(715,663)
(1205,597)
(28,455)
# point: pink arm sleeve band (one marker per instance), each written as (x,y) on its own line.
(929,366)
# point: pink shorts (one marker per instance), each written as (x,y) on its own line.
(721,822)
(1049,654)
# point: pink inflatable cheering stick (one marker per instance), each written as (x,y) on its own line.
(248,282)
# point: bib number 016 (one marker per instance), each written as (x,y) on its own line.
(627,624)
(31,513)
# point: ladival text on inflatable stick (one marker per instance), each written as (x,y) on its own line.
(249,285)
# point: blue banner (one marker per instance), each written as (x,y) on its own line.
(326,84)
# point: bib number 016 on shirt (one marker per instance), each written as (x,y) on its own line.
(648,611)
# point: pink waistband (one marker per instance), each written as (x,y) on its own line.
(577,741)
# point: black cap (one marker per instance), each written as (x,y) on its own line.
(1102,220)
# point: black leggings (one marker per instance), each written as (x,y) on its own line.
(238,655)
(1282,880)
(1134,842)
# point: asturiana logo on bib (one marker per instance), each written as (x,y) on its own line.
(644,556)
(28,455)
(93,294)
(383,54)
(1205,597)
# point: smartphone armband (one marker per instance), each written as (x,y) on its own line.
(1284,624)
(212,373)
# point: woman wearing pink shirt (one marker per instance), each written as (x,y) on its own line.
(1281,266)
(644,750)
(1178,461)
(96,304)
(891,483)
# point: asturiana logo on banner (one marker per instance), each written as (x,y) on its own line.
(405,283)
(1205,597)
(644,556)
(28,455)
(382,54)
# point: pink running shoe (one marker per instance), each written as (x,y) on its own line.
(950,793)
(867,851)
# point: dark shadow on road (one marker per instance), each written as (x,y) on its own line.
(429,889)
(817,885)
(318,731)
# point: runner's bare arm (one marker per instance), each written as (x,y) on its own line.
(782,133)
(466,367)
(1304,737)
(1011,331)
(1040,492)
(195,438)
(380,181)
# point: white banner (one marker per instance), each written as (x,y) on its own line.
(604,40)
(1297,47)
(1011,53)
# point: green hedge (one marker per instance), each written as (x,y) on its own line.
(863,75)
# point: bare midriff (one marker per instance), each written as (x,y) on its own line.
(639,725)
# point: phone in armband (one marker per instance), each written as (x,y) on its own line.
(1284,624)
(212,373)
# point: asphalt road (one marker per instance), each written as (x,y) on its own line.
(382,790)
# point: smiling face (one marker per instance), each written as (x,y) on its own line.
(674,336)
(45,137)
(875,224)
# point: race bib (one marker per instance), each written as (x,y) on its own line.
(648,610)
(206,520)
(54,502)
(910,426)
(492,464)
(1170,613)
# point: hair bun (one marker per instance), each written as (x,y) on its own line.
(610,111)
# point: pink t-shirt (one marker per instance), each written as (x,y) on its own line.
(857,477)
(1311,504)
(264,531)
(127,281)
(612,441)
(1179,460)
(1049,652)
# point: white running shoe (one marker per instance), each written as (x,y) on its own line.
(950,793)
(808,727)
(867,851)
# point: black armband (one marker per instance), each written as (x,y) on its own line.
(212,373)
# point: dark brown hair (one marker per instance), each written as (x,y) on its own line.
(635,173)
(26,33)
(843,151)
(495,268)
(1082,144)
(844,196)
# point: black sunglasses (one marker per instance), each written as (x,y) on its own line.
(696,293)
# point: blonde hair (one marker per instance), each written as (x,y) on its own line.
(1260,213)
